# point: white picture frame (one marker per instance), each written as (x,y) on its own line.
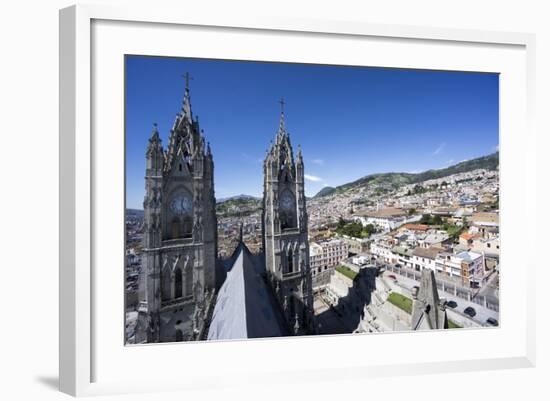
(84,355)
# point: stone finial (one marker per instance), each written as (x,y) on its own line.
(428,310)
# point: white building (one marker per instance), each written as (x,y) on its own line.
(424,258)
(360,260)
(383,251)
(402,256)
(327,254)
(467,265)
(356,245)
(487,246)
(433,238)
(386,219)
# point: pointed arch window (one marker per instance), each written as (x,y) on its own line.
(175,228)
(187,226)
(178,284)
(166,291)
(290,262)
(188,280)
(292,306)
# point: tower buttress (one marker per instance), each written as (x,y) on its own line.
(149,308)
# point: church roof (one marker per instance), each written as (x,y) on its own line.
(245,306)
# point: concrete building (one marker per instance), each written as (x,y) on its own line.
(383,250)
(424,258)
(403,256)
(386,219)
(327,254)
(466,265)
(356,245)
(486,224)
(487,246)
(360,260)
(324,257)
(433,238)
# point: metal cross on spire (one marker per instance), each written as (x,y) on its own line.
(187,77)
(282,103)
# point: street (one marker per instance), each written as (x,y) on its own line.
(404,285)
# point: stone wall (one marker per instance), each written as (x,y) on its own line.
(397,313)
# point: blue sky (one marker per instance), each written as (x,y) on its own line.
(350,121)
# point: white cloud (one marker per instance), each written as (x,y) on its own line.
(439,149)
(320,162)
(450,161)
(496,148)
(250,158)
(313,178)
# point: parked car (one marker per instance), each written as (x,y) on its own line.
(398,265)
(492,321)
(451,304)
(470,311)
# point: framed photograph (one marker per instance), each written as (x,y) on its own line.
(239,194)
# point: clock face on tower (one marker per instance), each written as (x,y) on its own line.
(181,204)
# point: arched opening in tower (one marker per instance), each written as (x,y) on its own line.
(290,262)
(175,228)
(179,285)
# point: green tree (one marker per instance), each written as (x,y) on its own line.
(419,189)
(426,219)
(341,222)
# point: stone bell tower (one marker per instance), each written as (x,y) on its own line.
(285,233)
(180,233)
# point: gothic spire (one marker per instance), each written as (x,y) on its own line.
(186,108)
(154,139)
(282,129)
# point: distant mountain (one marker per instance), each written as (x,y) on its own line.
(134,213)
(237,198)
(325,191)
(489,162)
(238,206)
